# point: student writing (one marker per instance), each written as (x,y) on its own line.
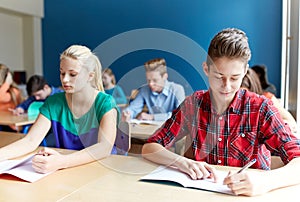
(228,126)
(82,118)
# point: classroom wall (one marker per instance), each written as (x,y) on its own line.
(125,34)
(20,35)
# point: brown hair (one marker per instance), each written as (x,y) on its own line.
(3,74)
(251,82)
(157,64)
(231,43)
(111,74)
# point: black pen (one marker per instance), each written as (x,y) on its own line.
(250,163)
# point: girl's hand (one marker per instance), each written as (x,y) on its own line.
(48,160)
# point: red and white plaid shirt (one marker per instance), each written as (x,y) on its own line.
(251,127)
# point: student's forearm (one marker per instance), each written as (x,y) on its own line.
(158,154)
(285,176)
(18,148)
(87,155)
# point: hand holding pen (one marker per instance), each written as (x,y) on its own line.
(240,182)
(47,160)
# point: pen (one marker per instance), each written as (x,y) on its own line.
(250,163)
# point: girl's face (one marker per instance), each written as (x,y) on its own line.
(106,79)
(72,76)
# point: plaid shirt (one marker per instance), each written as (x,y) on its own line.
(251,127)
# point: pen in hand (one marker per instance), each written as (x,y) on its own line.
(250,163)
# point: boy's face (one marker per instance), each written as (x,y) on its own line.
(225,77)
(41,94)
(156,81)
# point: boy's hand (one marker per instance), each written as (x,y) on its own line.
(126,116)
(17,111)
(247,183)
(197,170)
(145,116)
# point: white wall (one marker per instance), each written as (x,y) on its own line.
(20,35)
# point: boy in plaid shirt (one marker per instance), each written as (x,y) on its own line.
(228,126)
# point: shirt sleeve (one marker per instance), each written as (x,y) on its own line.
(180,94)
(25,105)
(276,135)
(136,105)
(119,95)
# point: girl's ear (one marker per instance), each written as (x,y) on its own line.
(91,76)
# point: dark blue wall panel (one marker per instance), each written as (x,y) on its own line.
(126,33)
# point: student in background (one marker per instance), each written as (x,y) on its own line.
(229,126)
(252,83)
(82,118)
(38,90)
(160,96)
(10,95)
(261,71)
(111,88)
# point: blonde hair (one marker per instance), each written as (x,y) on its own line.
(157,64)
(3,73)
(111,74)
(88,60)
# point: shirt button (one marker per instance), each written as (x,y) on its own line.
(243,134)
(219,139)
(219,161)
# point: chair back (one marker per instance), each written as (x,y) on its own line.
(123,139)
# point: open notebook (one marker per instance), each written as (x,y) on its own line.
(21,169)
(163,173)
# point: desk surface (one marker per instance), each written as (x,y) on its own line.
(116,178)
(9,137)
(7,118)
(143,131)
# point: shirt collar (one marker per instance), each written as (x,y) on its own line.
(234,106)
(165,90)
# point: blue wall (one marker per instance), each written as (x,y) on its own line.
(118,30)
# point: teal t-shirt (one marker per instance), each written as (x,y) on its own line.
(71,132)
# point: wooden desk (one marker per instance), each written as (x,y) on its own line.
(7,118)
(139,134)
(9,137)
(116,178)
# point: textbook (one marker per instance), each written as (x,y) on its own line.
(146,122)
(21,169)
(168,174)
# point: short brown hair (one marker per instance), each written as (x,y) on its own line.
(157,64)
(231,43)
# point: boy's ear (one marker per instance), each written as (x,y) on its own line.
(246,69)
(205,68)
(165,76)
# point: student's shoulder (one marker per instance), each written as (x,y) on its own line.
(56,97)
(253,97)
